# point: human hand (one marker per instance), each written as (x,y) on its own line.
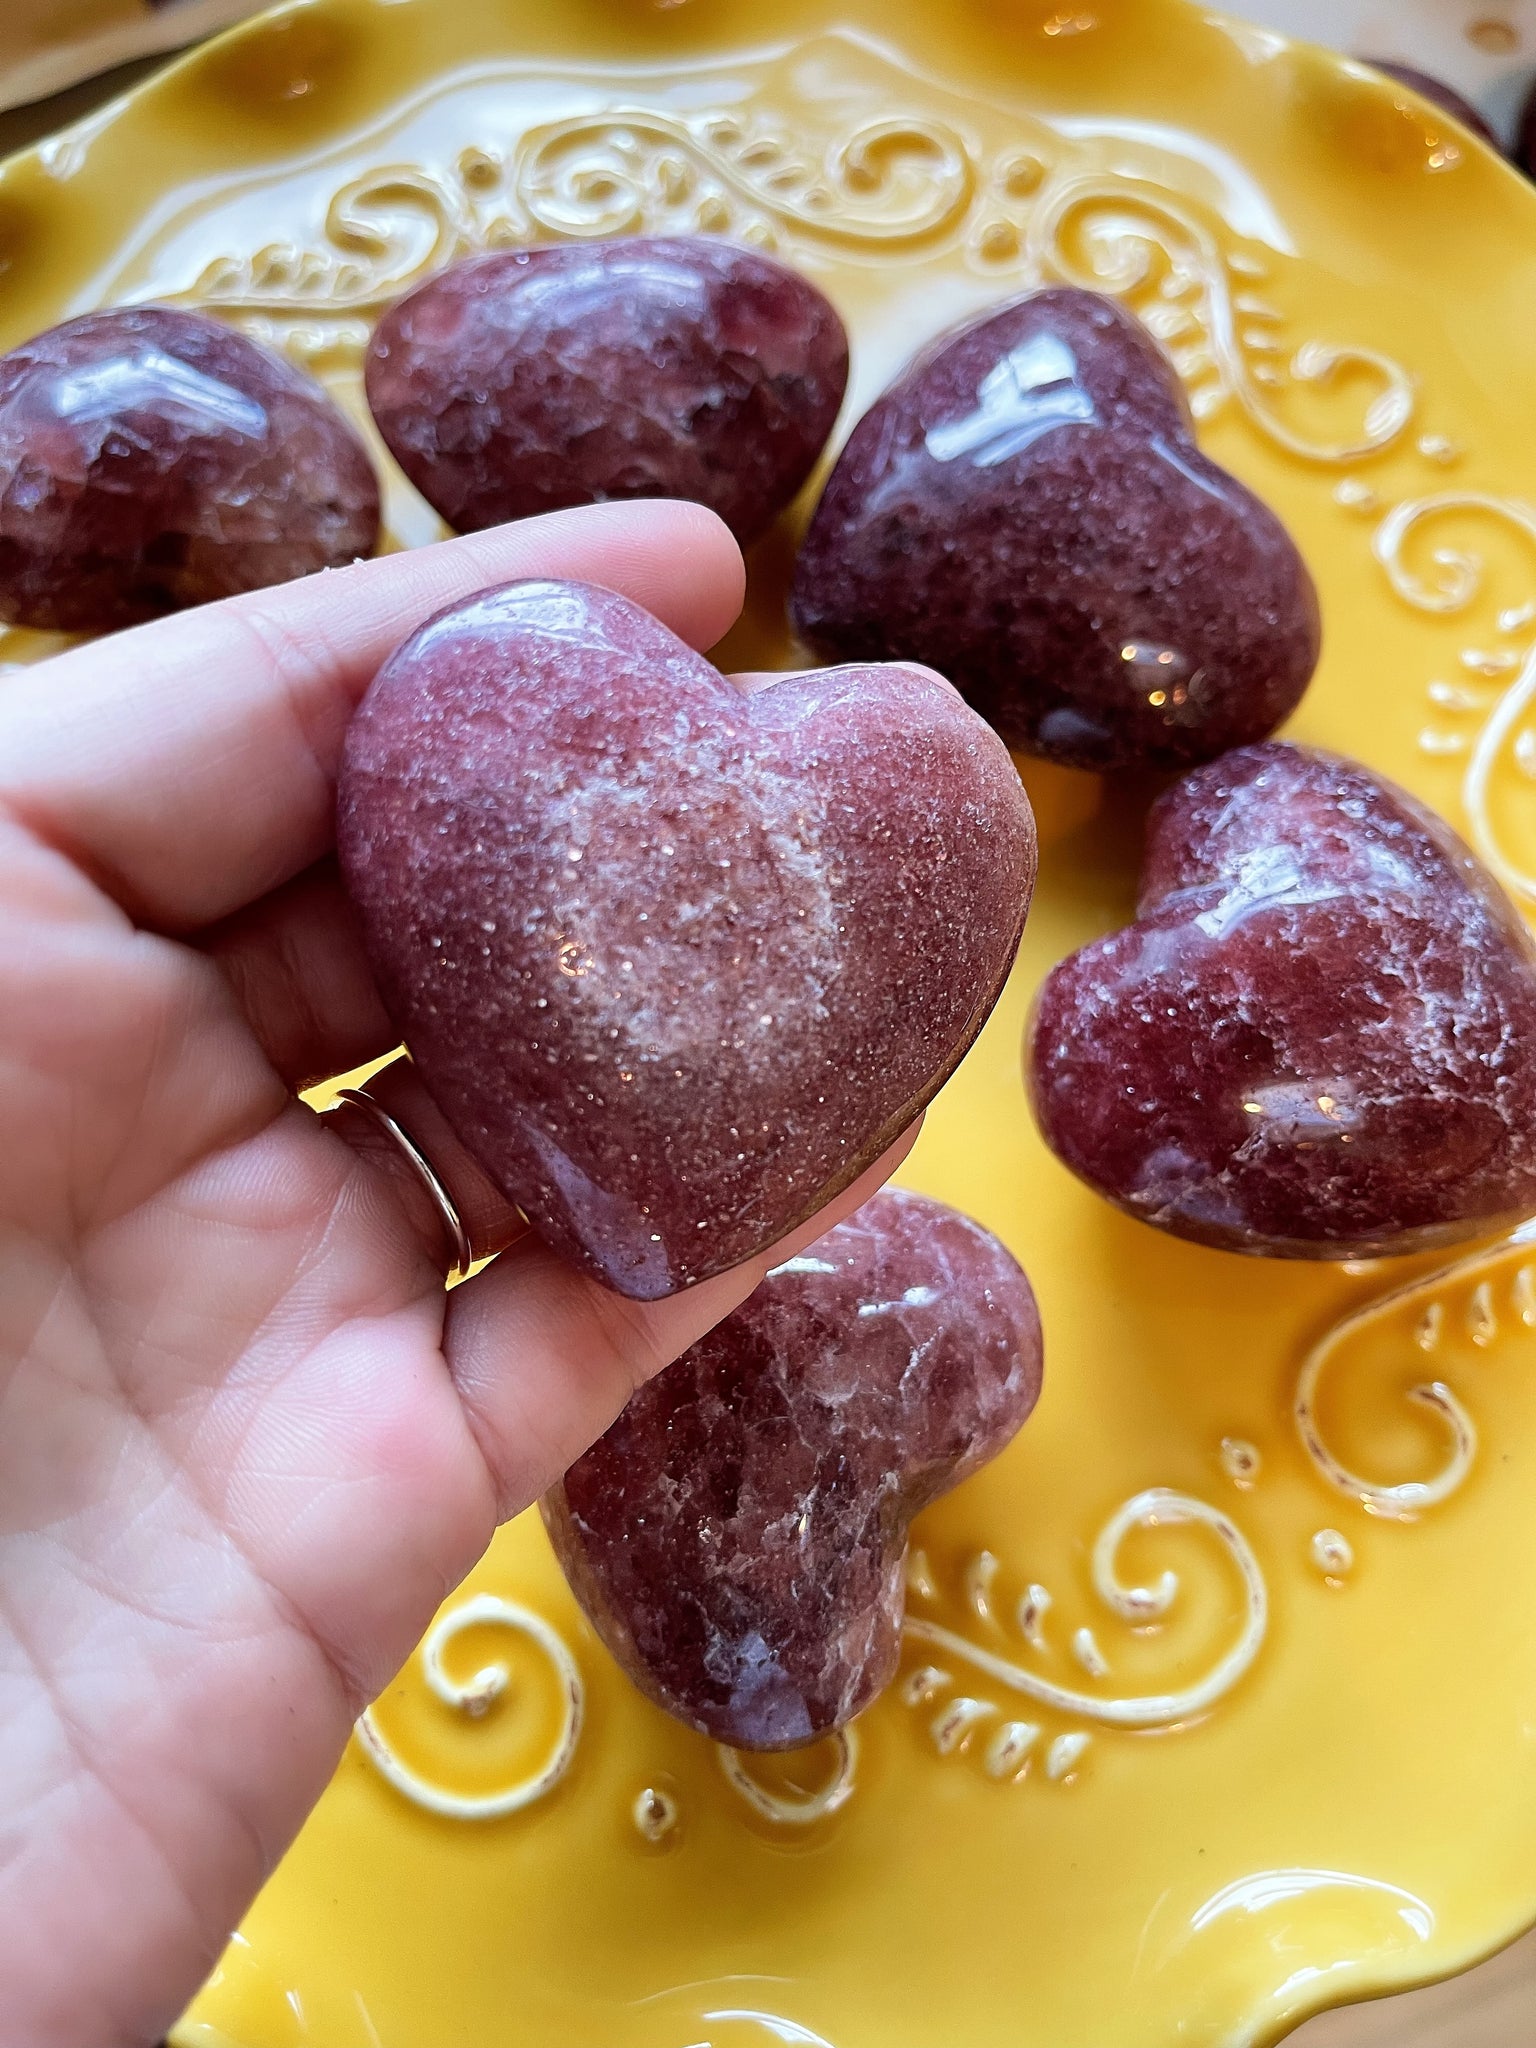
(247,1442)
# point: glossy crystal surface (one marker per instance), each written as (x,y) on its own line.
(738,1538)
(677,962)
(668,367)
(1026,508)
(1318,1039)
(1356,1814)
(152,458)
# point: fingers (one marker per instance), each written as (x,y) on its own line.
(189,766)
(544,1359)
(296,964)
(490,1221)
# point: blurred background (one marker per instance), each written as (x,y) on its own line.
(59,59)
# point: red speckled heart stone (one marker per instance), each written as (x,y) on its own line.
(151,459)
(1318,1039)
(676,962)
(670,367)
(738,1536)
(1027,508)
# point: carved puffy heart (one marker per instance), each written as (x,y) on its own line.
(738,1536)
(1318,1040)
(670,367)
(676,962)
(1027,508)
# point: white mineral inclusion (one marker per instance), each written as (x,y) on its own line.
(1158,1507)
(474,1697)
(789,1809)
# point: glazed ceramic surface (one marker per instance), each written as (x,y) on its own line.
(1219,1694)
(46,45)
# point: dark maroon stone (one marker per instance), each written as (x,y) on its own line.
(677,963)
(151,459)
(1318,1040)
(1026,508)
(533,379)
(1525,135)
(1441,95)
(738,1536)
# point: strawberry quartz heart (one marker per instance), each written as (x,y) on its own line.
(673,367)
(1027,508)
(676,962)
(151,459)
(1318,1040)
(738,1536)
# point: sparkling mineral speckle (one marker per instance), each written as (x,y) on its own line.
(151,459)
(1027,509)
(676,962)
(533,379)
(1318,1040)
(739,1536)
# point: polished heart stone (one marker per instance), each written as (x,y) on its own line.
(151,459)
(1026,508)
(1318,1040)
(738,1537)
(533,379)
(676,962)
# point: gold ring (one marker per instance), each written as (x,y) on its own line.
(461,1255)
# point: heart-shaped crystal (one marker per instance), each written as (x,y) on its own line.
(1318,1039)
(151,458)
(677,962)
(1027,508)
(652,367)
(738,1537)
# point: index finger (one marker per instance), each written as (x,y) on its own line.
(189,766)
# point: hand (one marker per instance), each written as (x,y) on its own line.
(247,1443)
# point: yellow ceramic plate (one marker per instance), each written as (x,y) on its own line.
(1221,1697)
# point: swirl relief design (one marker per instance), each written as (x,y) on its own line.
(997,1686)
(1413,1345)
(475,1698)
(1483,715)
(906,177)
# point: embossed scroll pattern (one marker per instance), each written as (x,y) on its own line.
(1010,1744)
(475,1697)
(1487,715)
(971,1682)
(1477,1300)
(899,188)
